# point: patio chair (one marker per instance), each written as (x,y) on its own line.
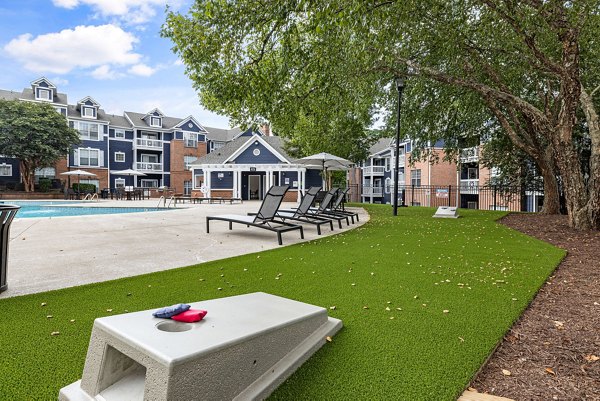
(337,208)
(320,211)
(301,213)
(265,218)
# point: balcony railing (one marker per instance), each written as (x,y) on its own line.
(142,166)
(373,170)
(469,155)
(149,143)
(372,191)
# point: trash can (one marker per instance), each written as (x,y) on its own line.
(104,193)
(7,214)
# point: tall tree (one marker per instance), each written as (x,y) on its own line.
(35,134)
(527,64)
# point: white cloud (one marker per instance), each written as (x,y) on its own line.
(59,81)
(142,70)
(129,11)
(105,72)
(82,47)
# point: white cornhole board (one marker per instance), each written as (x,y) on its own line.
(446,212)
(243,349)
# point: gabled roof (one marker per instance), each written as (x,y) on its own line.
(379,146)
(222,135)
(90,99)
(59,98)
(188,118)
(118,121)
(74,113)
(249,142)
(43,79)
(221,155)
(155,110)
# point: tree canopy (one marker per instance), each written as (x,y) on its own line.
(520,69)
(35,134)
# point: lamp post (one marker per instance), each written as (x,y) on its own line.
(400,87)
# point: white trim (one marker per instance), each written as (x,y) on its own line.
(190,117)
(85,99)
(37,81)
(119,153)
(118,181)
(10,170)
(120,131)
(152,124)
(85,109)
(152,111)
(78,158)
(39,90)
(249,143)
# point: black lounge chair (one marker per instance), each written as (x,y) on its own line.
(265,218)
(336,206)
(321,210)
(302,214)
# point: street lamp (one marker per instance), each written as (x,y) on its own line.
(400,87)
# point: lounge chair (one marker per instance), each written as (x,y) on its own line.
(320,211)
(265,218)
(337,208)
(301,213)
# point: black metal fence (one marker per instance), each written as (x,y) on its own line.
(492,197)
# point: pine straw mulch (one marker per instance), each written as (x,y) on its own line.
(551,352)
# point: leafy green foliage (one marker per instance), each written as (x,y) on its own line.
(390,282)
(35,134)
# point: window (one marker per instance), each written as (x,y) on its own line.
(190,140)
(89,157)
(188,160)
(120,157)
(43,94)
(119,133)
(45,172)
(88,131)
(145,183)
(119,182)
(5,170)
(415,178)
(388,184)
(155,121)
(387,164)
(147,158)
(88,112)
(473,173)
(187,187)
(199,180)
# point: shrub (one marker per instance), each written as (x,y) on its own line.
(84,187)
(45,184)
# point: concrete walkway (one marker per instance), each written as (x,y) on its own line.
(59,252)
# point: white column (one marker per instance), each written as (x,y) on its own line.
(235,184)
(207,182)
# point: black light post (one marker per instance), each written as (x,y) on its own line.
(400,87)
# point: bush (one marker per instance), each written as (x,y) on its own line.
(45,184)
(91,188)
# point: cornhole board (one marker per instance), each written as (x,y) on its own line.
(446,212)
(244,348)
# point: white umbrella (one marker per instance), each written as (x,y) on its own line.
(327,162)
(129,172)
(79,173)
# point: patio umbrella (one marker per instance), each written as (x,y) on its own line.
(327,162)
(129,172)
(79,173)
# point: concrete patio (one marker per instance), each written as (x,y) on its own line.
(59,252)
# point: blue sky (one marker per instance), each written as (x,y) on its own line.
(110,50)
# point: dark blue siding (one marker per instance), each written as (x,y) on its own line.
(16,173)
(167,157)
(265,156)
(167,136)
(121,146)
(221,183)
(43,84)
(178,135)
(288,178)
(313,178)
(186,126)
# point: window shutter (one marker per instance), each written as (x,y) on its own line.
(71,124)
(100,158)
(76,157)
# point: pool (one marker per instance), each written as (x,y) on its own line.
(33,209)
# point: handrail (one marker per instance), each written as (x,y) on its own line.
(171,199)
(162,198)
(87,197)
(95,195)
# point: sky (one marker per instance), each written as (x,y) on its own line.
(110,50)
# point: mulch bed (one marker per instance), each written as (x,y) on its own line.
(550,353)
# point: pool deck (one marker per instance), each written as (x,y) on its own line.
(52,253)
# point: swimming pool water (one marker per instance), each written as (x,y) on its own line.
(59,209)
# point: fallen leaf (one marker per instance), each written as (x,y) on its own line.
(329,339)
(559,325)
(44,304)
(49,316)
(109,310)
(446,311)
(506,372)
(550,371)
(387,308)
(333,307)
(472,389)
(365,307)
(55,333)
(591,358)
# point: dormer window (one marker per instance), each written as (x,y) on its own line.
(155,122)
(43,94)
(88,112)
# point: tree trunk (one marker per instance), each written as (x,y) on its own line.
(549,173)
(593,122)
(27,175)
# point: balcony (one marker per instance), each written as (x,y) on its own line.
(373,170)
(469,155)
(469,186)
(149,143)
(149,167)
(372,191)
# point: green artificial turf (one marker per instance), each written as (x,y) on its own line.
(390,282)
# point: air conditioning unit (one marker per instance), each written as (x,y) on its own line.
(471,205)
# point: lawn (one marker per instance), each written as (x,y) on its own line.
(423,301)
